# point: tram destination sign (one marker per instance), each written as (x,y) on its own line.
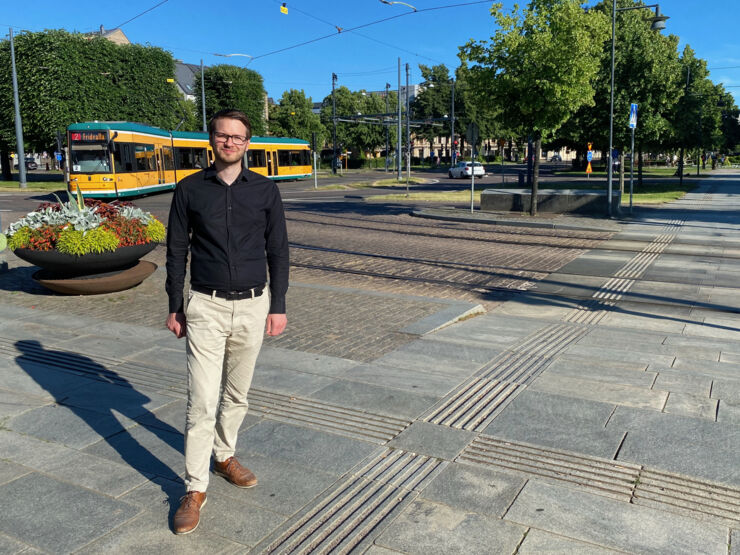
(88,136)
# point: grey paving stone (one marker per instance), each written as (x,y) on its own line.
(168,417)
(158,496)
(326,452)
(600,372)
(146,450)
(305,362)
(14,402)
(10,471)
(429,528)
(116,347)
(690,446)
(162,357)
(497,322)
(31,452)
(20,329)
(728,412)
(734,542)
(283,380)
(611,523)
(648,345)
(682,382)
(476,489)
(443,351)
(56,516)
(377,550)
(41,381)
(238,521)
(283,487)
(443,317)
(599,390)
(375,398)
(713,331)
(151,534)
(125,399)
(727,389)
(639,318)
(618,354)
(691,405)
(715,369)
(421,383)
(598,262)
(9,545)
(538,541)
(433,440)
(73,427)
(560,422)
(428,362)
(94,473)
(729,356)
(541,307)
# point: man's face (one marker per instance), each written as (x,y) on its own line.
(227,151)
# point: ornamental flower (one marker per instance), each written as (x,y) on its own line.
(82,226)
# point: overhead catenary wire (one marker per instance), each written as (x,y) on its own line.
(142,13)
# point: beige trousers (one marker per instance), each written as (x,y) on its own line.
(223,341)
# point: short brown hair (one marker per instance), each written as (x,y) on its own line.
(231,113)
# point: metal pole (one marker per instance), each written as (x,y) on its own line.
(18,123)
(632,167)
(387,130)
(334,120)
(203,95)
(472,174)
(398,145)
(452,127)
(408,133)
(611,116)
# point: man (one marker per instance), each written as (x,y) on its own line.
(237,231)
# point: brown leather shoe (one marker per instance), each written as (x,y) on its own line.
(235,473)
(187,515)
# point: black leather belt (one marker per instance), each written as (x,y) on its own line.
(230,295)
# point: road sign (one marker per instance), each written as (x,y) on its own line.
(590,155)
(633,115)
(588,168)
(615,154)
(472,132)
(502,143)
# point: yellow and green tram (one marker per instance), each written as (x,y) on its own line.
(122,159)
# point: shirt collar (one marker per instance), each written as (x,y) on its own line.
(212,173)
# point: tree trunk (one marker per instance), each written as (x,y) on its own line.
(529,160)
(5,162)
(680,168)
(639,166)
(536,173)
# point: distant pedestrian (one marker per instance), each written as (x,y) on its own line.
(230,221)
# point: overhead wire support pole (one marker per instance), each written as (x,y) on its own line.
(18,122)
(398,143)
(452,125)
(387,130)
(611,116)
(203,95)
(334,121)
(408,132)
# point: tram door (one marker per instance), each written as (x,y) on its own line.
(269,163)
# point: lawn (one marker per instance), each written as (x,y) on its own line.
(369,184)
(33,186)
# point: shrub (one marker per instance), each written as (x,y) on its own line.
(96,240)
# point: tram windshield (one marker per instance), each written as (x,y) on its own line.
(89,153)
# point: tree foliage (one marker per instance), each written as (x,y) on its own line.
(294,117)
(229,86)
(65,78)
(537,68)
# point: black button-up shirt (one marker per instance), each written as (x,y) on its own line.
(234,233)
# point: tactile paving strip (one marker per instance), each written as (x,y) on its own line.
(354,511)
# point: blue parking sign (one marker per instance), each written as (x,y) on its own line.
(633,115)
(590,155)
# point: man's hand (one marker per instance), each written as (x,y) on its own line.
(276,323)
(176,324)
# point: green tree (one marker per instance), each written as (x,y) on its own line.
(294,117)
(65,78)
(229,86)
(538,66)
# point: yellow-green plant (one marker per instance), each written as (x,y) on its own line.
(95,240)
(19,239)
(155,230)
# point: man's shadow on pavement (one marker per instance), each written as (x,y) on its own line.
(97,406)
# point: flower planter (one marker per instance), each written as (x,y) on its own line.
(96,284)
(67,265)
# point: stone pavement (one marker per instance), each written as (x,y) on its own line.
(595,412)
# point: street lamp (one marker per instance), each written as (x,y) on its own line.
(658,24)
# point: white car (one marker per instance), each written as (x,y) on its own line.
(463,170)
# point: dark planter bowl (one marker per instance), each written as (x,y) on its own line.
(66,265)
(96,284)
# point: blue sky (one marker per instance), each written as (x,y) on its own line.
(365,58)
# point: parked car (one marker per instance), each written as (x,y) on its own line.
(556,158)
(465,169)
(30,164)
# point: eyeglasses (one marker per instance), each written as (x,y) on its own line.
(223,137)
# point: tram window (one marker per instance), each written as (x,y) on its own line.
(294,158)
(169,162)
(144,155)
(191,158)
(200,158)
(123,158)
(284,157)
(256,158)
